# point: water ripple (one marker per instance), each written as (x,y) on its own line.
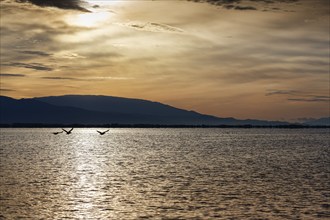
(165,174)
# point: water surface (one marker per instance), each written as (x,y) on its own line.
(165,174)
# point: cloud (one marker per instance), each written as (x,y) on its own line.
(315,99)
(218,2)
(62,4)
(243,8)
(274,1)
(101,78)
(322,97)
(152,27)
(68,55)
(281,92)
(110,78)
(60,78)
(244,4)
(35,66)
(228,2)
(33,52)
(11,75)
(6,90)
(298,96)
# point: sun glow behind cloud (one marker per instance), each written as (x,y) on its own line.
(88,19)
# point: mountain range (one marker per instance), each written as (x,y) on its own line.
(321,121)
(92,110)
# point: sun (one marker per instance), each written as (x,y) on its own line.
(92,19)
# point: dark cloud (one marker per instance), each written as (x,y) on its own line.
(281,92)
(227,4)
(33,52)
(62,78)
(315,99)
(297,96)
(11,75)
(84,79)
(244,4)
(63,4)
(321,97)
(230,2)
(245,8)
(58,78)
(239,7)
(6,90)
(218,2)
(265,1)
(35,66)
(242,8)
(275,1)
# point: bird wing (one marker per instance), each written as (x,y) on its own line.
(99,132)
(107,130)
(71,129)
(65,130)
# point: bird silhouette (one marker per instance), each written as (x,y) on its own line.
(102,132)
(56,133)
(67,132)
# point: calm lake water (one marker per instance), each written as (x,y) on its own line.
(165,174)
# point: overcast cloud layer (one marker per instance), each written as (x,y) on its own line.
(63,4)
(266,59)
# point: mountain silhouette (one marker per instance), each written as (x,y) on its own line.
(89,109)
(321,121)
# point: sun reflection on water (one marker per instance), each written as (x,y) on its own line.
(87,190)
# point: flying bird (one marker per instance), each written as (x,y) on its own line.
(67,132)
(102,133)
(56,133)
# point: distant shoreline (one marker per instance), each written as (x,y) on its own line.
(40,125)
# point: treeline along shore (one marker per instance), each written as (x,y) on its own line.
(40,125)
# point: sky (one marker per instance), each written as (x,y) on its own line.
(256,59)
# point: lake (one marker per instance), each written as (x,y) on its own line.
(165,174)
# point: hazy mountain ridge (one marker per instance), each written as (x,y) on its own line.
(88,109)
(321,121)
